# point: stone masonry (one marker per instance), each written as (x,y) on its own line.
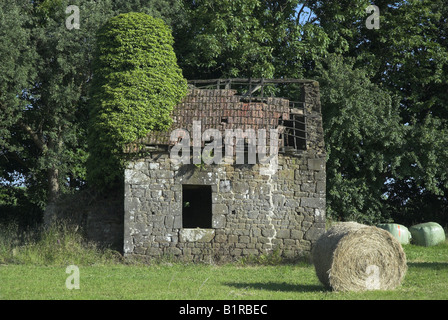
(251,213)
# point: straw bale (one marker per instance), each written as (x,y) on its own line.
(356,257)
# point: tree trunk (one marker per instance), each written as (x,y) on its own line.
(53,184)
(50,214)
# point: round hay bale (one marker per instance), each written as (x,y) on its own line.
(356,257)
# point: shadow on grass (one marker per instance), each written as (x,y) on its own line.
(278,286)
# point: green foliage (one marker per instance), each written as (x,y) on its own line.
(407,57)
(136,85)
(231,37)
(16,69)
(17,73)
(362,135)
(419,192)
(43,120)
(241,38)
(16,208)
(45,77)
(412,61)
(388,170)
(170,11)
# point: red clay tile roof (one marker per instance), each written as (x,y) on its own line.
(221,109)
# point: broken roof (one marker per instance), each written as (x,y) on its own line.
(227,109)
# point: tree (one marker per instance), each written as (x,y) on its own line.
(45,77)
(16,75)
(241,38)
(170,11)
(136,85)
(407,56)
(363,137)
(42,121)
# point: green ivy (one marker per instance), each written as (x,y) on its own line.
(136,84)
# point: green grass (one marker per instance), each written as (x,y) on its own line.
(102,276)
(178,281)
(59,245)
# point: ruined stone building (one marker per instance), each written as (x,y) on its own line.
(200,209)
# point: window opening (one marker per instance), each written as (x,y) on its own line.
(196,206)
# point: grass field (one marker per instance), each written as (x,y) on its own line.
(427,278)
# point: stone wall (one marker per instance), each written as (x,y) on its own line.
(252,214)
(99,217)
